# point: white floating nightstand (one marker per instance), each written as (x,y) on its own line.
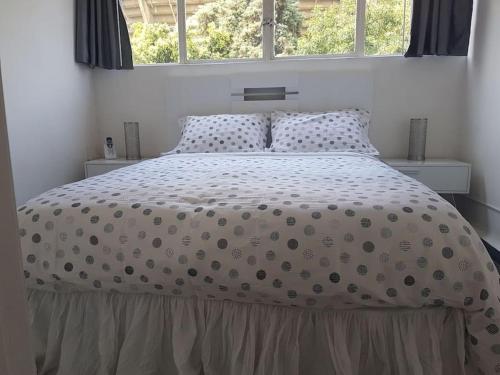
(101,166)
(444,176)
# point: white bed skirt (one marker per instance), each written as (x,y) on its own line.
(105,333)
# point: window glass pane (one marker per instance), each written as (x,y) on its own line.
(224,29)
(314,27)
(152,27)
(387,26)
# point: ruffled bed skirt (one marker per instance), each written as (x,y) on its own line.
(104,333)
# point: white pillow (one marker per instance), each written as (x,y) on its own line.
(344,130)
(223,133)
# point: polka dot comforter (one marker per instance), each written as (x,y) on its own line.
(318,230)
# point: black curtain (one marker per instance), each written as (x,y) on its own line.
(102,38)
(440,27)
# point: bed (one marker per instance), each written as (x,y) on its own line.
(261,263)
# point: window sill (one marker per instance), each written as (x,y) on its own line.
(273,61)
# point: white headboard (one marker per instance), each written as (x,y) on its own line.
(318,91)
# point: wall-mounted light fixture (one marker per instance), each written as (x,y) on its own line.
(265,93)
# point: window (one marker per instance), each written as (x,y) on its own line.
(164,31)
(224,29)
(153,31)
(387,28)
(319,27)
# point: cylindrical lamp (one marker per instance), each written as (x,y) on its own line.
(418,137)
(132,141)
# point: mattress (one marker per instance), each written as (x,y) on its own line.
(320,231)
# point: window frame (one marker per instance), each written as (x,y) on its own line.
(268,54)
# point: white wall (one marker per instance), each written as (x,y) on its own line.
(48,97)
(15,350)
(403,88)
(481,133)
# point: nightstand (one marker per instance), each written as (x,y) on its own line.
(101,166)
(444,176)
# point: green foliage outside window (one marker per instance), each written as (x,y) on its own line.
(153,43)
(330,31)
(232,29)
(289,22)
(384,27)
(226,29)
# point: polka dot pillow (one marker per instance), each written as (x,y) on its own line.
(344,130)
(223,133)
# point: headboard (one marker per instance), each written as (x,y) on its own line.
(317,91)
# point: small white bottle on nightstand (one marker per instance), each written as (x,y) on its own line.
(109,149)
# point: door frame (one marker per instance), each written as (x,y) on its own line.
(16,353)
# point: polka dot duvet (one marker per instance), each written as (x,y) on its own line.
(314,230)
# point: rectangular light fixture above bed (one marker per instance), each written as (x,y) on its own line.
(264,93)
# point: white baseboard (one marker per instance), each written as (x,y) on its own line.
(484,218)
